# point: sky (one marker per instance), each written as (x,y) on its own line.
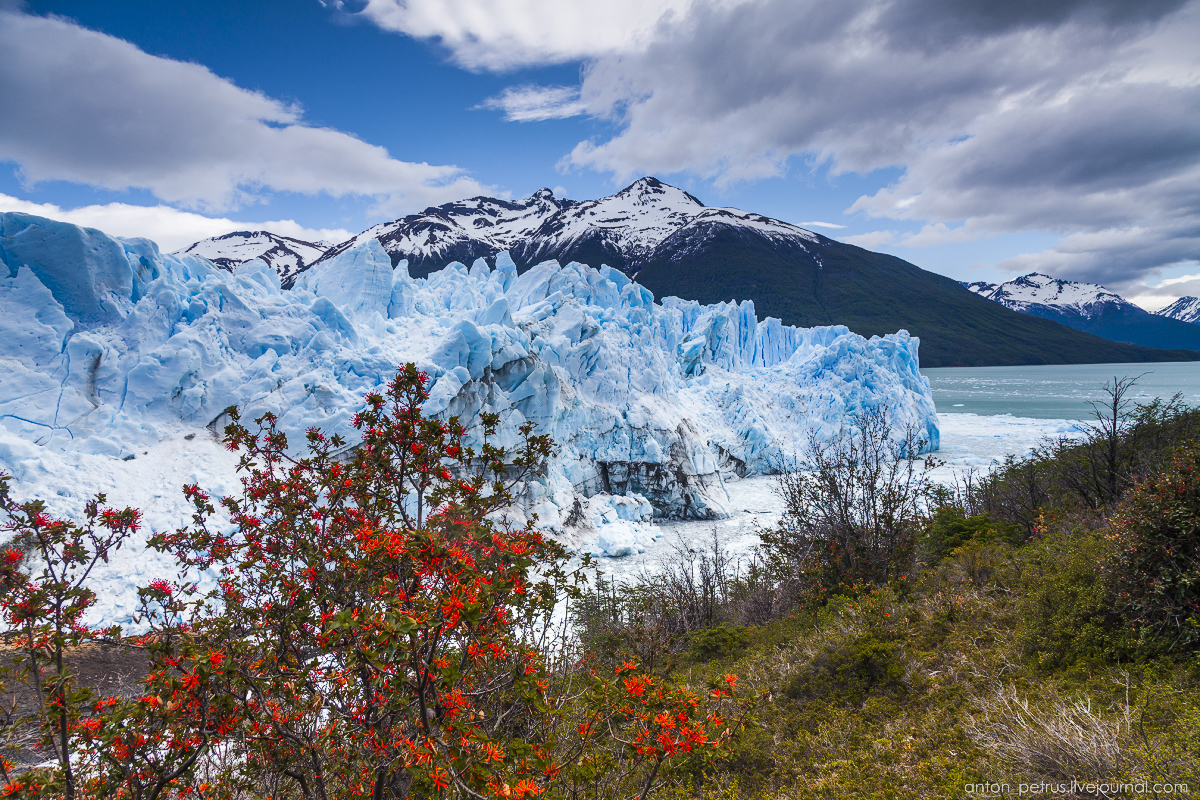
(980,140)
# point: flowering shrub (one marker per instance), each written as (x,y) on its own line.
(371,614)
(44,598)
(641,729)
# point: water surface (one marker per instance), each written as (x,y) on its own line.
(1056,391)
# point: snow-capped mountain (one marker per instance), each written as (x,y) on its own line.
(1062,297)
(1185,309)
(626,230)
(285,255)
(1091,308)
(623,230)
(460,231)
(675,245)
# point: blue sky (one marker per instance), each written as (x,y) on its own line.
(1063,138)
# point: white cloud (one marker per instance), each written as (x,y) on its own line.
(871,239)
(89,108)
(504,34)
(821,225)
(941,233)
(171,228)
(534,103)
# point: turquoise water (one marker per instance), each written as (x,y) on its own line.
(1054,392)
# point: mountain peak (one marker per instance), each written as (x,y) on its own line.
(1185,309)
(285,255)
(651,190)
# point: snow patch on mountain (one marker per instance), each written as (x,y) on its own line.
(1185,309)
(639,218)
(1036,289)
(477,226)
(112,353)
(285,255)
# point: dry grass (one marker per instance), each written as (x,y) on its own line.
(1056,740)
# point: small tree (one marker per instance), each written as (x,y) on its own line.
(45,598)
(375,631)
(853,509)
(1156,568)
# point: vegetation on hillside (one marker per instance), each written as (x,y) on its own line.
(1038,626)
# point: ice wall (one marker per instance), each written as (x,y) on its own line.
(108,347)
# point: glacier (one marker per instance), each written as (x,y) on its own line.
(111,351)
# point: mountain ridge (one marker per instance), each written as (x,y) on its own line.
(1185,309)
(286,255)
(675,245)
(1091,308)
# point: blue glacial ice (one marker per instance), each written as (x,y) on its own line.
(109,348)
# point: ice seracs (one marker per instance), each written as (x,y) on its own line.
(110,349)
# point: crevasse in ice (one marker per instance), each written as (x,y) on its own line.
(108,346)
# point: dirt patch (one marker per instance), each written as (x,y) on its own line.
(112,670)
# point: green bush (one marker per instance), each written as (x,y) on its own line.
(849,672)
(1156,566)
(950,528)
(1068,613)
(721,642)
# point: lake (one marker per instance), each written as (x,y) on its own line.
(1054,391)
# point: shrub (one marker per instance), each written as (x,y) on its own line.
(1068,612)
(374,632)
(1156,564)
(950,528)
(721,642)
(852,515)
(849,671)
(45,597)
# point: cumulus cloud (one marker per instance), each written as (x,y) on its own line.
(505,34)
(89,108)
(871,239)
(535,103)
(171,228)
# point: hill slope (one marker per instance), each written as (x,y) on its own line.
(873,293)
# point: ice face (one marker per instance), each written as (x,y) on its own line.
(108,347)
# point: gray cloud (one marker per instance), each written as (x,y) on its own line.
(1080,118)
(82,106)
(1077,117)
(937,22)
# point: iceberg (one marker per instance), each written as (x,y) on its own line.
(109,348)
